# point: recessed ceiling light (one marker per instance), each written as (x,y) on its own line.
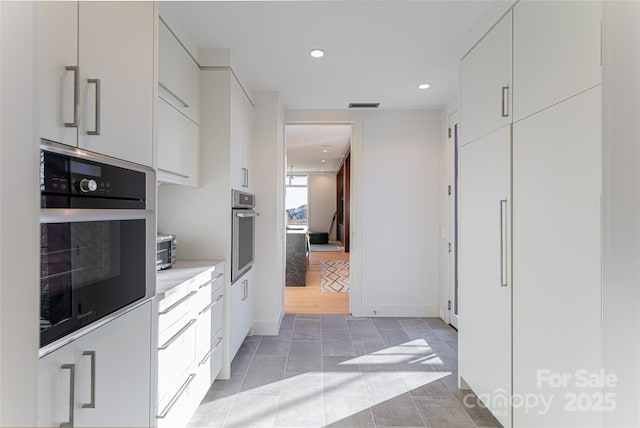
(325,150)
(316,53)
(323,161)
(424,86)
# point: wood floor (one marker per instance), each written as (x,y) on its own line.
(311,299)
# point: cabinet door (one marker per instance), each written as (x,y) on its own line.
(241,308)
(116,46)
(557,256)
(178,146)
(56,387)
(248,139)
(485,288)
(57,48)
(122,358)
(556,52)
(485,87)
(179,74)
(237,146)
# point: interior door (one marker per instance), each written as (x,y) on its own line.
(485,288)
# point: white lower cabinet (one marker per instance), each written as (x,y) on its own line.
(102,379)
(241,312)
(190,343)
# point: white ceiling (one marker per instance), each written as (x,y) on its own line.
(306,145)
(376,51)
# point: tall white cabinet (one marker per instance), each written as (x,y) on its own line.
(484,266)
(95,85)
(530,219)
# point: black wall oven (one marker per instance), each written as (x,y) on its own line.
(243,233)
(97,238)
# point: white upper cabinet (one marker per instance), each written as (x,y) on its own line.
(178,75)
(557,52)
(241,111)
(116,79)
(486,83)
(95,76)
(57,60)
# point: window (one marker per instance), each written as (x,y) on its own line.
(296,199)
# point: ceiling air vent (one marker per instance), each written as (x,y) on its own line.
(364,105)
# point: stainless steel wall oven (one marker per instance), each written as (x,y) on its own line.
(97,238)
(243,233)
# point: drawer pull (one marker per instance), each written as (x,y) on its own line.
(211,305)
(177,335)
(178,303)
(211,351)
(176,397)
(72,383)
(212,280)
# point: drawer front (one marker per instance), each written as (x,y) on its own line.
(208,291)
(208,368)
(173,309)
(176,356)
(209,325)
(177,408)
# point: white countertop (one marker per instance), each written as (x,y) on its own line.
(181,272)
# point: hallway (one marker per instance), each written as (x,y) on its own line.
(340,371)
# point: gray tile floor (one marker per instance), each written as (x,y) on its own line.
(340,371)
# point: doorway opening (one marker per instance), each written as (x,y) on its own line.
(454,162)
(317,211)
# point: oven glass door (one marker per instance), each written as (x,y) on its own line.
(88,270)
(243,236)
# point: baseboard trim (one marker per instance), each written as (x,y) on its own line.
(397,311)
(270,327)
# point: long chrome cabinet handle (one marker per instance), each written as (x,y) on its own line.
(503,243)
(245,177)
(76,96)
(177,335)
(175,398)
(92,403)
(174,173)
(212,280)
(245,215)
(96,130)
(210,305)
(173,94)
(505,101)
(211,351)
(178,303)
(72,382)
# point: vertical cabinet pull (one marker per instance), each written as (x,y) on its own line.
(92,403)
(76,98)
(96,130)
(72,381)
(503,243)
(505,101)
(245,177)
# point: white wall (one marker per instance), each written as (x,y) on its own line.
(267,171)
(394,217)
(621,187)
(322,202)
(19,217)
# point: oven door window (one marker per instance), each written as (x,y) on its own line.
(245,241)
(88,270)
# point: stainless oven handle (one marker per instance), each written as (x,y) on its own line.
(249,214)
(68,215)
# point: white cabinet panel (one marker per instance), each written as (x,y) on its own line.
(178,146)
(485,289)
(116,47)
(122,372)
(486,83)
(556,52)
(179,73)
(57,49)
(120,352)
(557,253)
(237,134)
(241,312)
